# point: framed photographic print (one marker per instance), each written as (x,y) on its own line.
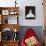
(12,20)
(9,34)
(30,12)
(13,12)
(6,34)
(5,12)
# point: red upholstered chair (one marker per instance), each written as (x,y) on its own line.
(29,33)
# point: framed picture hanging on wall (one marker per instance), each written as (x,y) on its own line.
(30,12)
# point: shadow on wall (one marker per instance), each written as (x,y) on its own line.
(37,29)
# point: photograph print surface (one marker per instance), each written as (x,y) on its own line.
(30,12)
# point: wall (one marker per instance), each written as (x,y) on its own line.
(37,29)
(39,13)
(22,21)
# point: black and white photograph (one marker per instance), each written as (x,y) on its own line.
(30,12)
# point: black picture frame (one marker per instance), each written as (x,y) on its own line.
(30,12)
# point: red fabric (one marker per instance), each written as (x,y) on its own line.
(29,33)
